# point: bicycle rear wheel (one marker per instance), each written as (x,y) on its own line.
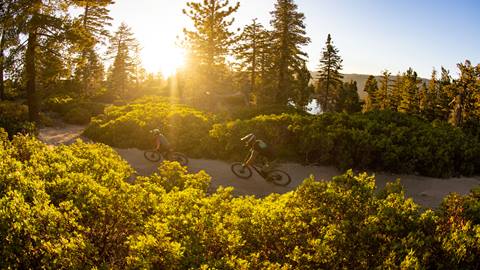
(178,157)
(241,171)
(279,178)
(152,155)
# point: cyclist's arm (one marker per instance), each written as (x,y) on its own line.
(157,143)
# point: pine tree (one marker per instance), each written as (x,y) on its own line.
(288,36)
(249,52)
(41,21)
(446,95)
(382,96)
(430,98)
(122,49)
(410,102)
(210,41)
(9,37)
(267,86)
(424,101)
(303,88)
(348,98)
(467,92)
(329,79)
(91,25)
(395,92)
(371,88)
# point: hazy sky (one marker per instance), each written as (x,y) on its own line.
(372,35)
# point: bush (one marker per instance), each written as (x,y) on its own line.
(129,126)
(71,207)
(74,111)
(274,129)
(384,140)
(246,113)
(78,116)
(14,118)
(379,140)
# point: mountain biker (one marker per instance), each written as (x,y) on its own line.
(161,142)
(258,148)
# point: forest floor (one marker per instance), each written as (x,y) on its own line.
(425,191)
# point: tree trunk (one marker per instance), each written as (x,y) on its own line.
(2,83)
(85,73)
(2,63)
(33,106)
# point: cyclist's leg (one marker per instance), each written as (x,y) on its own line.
(266,164)
(251,159)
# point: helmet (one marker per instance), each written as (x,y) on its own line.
(249,138)
(155,131)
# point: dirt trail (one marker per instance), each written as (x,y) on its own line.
(425,191)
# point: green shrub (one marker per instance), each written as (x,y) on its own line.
(379,140)
(274,129)
(71,207)
(14,118)
(246,113)
(74,111)
(129,126)
(59,104)
(384,140)
(78,116)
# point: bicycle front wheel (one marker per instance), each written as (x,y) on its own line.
(178,157)
(279,178)
(152,155)
(241,171)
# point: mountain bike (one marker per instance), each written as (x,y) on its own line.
(156,155)
(278,177)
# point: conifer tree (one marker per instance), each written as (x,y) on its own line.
(348,100)
(249,52)
(467,93)
(122,49)
(395,92)
(303,88)
(91,26)
(329,79)
(9,37)
(210,41)
(267,86)
(446,95)
(288,36)
(41,21)
(410,101)
(371,88)
(430,98)
(382,96)
(424,101)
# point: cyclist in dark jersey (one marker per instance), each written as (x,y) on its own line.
(258,148)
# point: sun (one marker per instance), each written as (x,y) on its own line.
(171,60)
(167,60)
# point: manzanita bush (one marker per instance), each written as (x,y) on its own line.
(72,207)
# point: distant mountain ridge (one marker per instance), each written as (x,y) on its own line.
(361,79)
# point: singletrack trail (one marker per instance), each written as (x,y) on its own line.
(426,191)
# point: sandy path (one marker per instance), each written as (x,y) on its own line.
(425,191)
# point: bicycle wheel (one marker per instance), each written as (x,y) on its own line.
(178,157)
(152,155)
(279,177)
(239,170)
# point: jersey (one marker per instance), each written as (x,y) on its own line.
(263,149)
(162,140)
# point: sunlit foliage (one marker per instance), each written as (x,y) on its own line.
(72,207)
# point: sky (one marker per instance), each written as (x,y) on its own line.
(372,35)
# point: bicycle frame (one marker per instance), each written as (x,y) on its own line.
(256,168)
